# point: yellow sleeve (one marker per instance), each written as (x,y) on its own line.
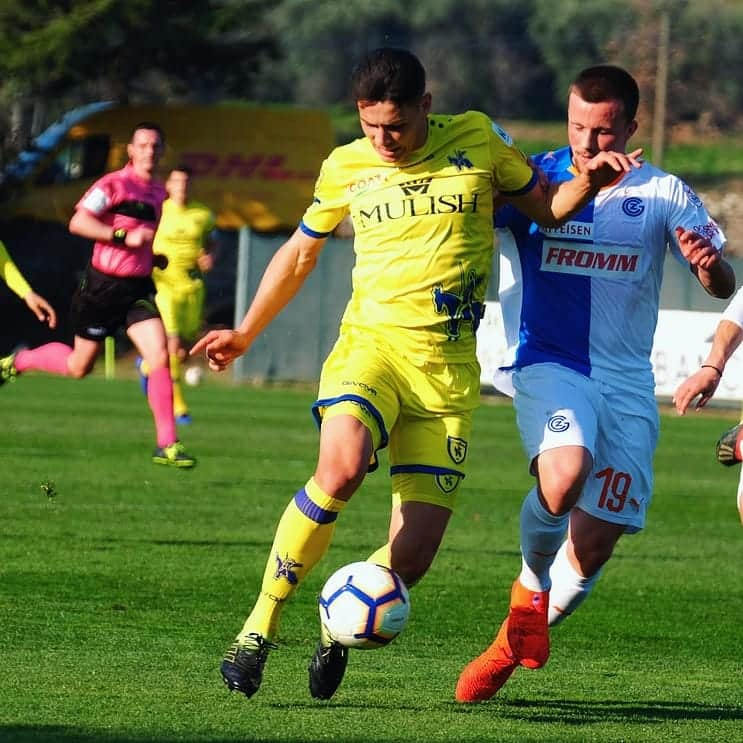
(11,275)
(330,203)
(513,173)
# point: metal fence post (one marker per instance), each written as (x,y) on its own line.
(242,286)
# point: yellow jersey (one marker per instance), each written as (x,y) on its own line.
(11,275)
(181,235)
(423,231)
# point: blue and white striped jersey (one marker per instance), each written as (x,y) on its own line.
(586,294)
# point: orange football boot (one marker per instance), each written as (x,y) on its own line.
(523,639)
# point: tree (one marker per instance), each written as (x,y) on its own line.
(706,69)
(130,49)
(478,54)
(705,50)
(512,60)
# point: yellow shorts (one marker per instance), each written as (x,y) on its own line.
(182,311)
(423,412)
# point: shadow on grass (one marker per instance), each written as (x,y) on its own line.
(578,712)
(567,711)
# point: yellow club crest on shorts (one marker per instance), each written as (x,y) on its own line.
(448,481)
(457,449)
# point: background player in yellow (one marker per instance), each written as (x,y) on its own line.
(17,283)
(419,189)
(185,236)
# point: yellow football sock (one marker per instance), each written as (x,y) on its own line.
(179,403)
(144,369)
(302,538)
(381,556)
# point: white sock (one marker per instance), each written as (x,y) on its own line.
(569,588)
(541,535)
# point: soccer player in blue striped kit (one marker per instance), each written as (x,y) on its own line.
(580,306)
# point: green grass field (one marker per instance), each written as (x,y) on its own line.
(120,591)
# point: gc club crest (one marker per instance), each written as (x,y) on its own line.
(457,449)
(633,206)
(558,423)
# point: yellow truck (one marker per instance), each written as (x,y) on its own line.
(254,165)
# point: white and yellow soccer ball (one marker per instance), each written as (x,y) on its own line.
(364,605)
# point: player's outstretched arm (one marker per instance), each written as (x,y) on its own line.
(41,308)
(282,279)
(554,204)
(17,283)
(704,382)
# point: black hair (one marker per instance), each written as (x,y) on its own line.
(150,126)
(607,83)
(182,168)
(388,74)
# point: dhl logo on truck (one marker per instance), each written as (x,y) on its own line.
(271,167)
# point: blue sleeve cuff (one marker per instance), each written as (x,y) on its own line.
(528,187)
(311,232)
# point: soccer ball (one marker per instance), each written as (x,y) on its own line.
(364,605)
(193,376)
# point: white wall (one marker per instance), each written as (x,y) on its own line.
(682,341)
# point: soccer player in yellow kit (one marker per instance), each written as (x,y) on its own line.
(185,237)
(17,283)
(403,373)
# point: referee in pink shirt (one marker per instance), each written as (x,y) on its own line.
(120,212)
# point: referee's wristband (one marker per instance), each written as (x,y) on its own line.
(711,366)
(119,237)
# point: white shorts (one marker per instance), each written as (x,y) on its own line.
(556,406)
